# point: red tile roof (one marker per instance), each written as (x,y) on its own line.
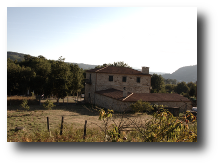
(117,70)
(149,97)
(113,93)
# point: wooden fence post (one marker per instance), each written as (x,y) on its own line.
(48,125)
(84,136)
(61,128)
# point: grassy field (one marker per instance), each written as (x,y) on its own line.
(35,119)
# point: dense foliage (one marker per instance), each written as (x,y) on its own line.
(141,106)
(163,127)
(43,76)
(161,85)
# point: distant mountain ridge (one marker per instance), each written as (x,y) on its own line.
(186,73)
(20,56)
(15,56)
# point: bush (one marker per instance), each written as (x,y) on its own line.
(25,105)
(166,128)
(141,106)
(48,104)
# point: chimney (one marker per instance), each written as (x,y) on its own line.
(145,70)
(125,93)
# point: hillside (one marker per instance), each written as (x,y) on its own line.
(20,56)
(186,73)
(15,56)
(84,66)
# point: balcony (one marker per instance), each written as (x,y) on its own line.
(88,81)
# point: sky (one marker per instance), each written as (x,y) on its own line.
(162,38)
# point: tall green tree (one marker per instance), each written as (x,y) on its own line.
(192,89)
(42,67)
(59,78)
(76,79)
(182,88)
(12,77)
(19,78)
(170,88)
(157,83)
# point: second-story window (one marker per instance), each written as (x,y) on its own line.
(138,79)
(110,78)
(124,79)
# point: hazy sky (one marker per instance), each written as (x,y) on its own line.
(161,38)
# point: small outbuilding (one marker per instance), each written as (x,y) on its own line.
(117,100)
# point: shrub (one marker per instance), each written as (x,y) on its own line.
(25,105)
(141,106)
(48,104)
(166,128)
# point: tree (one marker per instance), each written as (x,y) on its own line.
(170,88)
(12,76)
(76,78)
(182,88)
(18,78)
(26,76)
(157,83)
(192,89)
(58,78)
(170,81)
(42,67)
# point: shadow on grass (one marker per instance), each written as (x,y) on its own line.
(82,109)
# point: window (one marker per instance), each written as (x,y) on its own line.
(138,79)
(124,79)
(110,78)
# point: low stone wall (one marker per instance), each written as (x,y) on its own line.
(109,103)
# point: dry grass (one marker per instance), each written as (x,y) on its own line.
(35,120)
(19,97)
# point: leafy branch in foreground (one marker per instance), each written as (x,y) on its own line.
(166,128)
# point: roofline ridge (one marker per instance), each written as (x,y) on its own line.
(127,97)
(101,68)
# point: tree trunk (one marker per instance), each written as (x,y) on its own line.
(57,100)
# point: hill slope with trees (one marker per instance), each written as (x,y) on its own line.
(49,77)
(186,73)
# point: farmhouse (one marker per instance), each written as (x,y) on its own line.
(117,87)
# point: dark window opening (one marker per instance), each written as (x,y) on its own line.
(110,78)
(124,79)
(138,79)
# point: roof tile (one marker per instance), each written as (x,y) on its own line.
(117,70)
(149,97)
